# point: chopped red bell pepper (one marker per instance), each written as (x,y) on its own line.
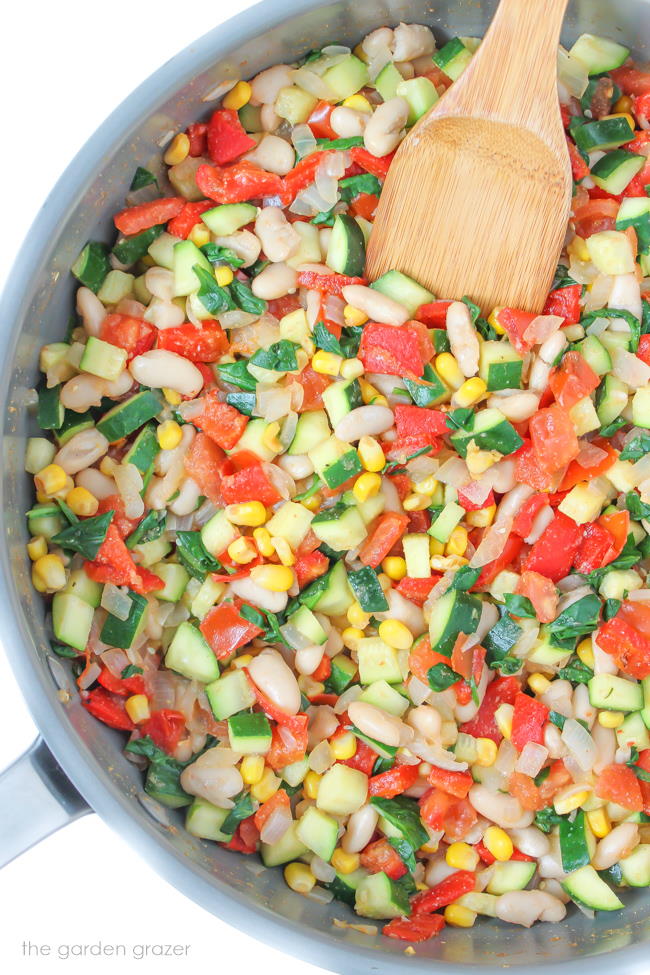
(502,690)
(113,563)
(226,631)
(393,782)
(515,322)
(288,745)
(566,301)
(165,728)
(330,284)
(115,503)
(617,523)
(414,929)
(310,566)
(576,472)
(323,670)
(387,531)
(541,592)
(554,438)
(579,169)
(107,708)
(631,80)
(489,572)
(595,546)
(183,224)
(573,380)
(455,783)
(363,759)
(433,313)
(135,219)
(643,351)
(220,421)
(236,183)
(122,686)
(319,121)
(204,344)
(250,484)
(417,590)
(302,174)
(376,165)
(227,139)
(203,463)
(553,553)
(470,505)
(364,205)
(134,335)
(380,857)
(414,420)
(619,784)
(444,893)
(391,351)
(528,720)
(523,523)
(197,133)
(440,811)
(245,837)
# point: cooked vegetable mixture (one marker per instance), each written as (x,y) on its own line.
(359,570)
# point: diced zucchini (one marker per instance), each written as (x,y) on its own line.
(226,219)
(189,654)
(229,694)
(599,54)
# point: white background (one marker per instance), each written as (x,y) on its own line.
(64,66)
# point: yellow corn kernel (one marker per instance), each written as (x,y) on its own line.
(313,503)
(169,434)
(462,856)
(243,550)
(252,769)
(49,570)
(172,397)
(137,708)
(263,542)
(177,150)
(351,636)
(199,235)
(611,719)
(449,371)
(270,437)
(243,661)
(36,548)
(81,502)
(416,502)
(351,369)
(564,804)
(624,105)
(481,518)
(357,616)
(283,550)
(343,746)
(370,454)
(344,862)
(585,652)
(366,486)
(249,513)
(238,96)
(223,276)
(395,567)
(428,485)
(471,392)
(498,843)
(459,916)
(275,578)
(538,683)
(436,547)
(493,320)
(503,718)
(578,248)
(50,480)
(486,752)
(327,363)
(267,786)
(457,543)
(358,102)
(354,316)
(299,877)
(396,634)
(311,783)
(371,395)
(599,823)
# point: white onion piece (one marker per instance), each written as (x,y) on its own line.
(236,318)
(312,83)
(418,691)
(321,758)
(454,472)
(436,755)
(579,743)
(114,659)
(293,636)
(506,757)
(272,402)
(590,454)
(303,140)
(117,603)
(276,825)
(639,595)
(532,758)
(541,328)
(493,543)
(540,523)
(477,491)
(626,294)
(347,697)
(630,369)
(571,73)
(322,870)
(89,675)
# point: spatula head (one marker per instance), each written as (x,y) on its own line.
(477,207)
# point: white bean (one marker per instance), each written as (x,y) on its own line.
(364,421)
(187,498)
(375,723)
(378,41)
(555,888)
(275,679)
(213,776)
(275,281)
(160,282)
(541,522)
(91,310)
(273,154)
(615,846)
(386,127)
(426,721)
(519,407)
(437,869)
(504,810)
(323,722)
(347,122)
(245,245)
(361,825)
(164,314)
(269,118)
(583,710)
(527,906)
(160,368)
(273,602)
(324,237)
(463,338)
(553,741)
(170,463)
(307,659)
(297,465)
(538,377)
(378,307)
(266,85)
(531,841)
(412,41)
(406,69)
(97,483)
(118,387)
(278,238)
(82,391)
(81,451)
(502,476)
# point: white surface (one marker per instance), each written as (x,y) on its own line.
(63,67)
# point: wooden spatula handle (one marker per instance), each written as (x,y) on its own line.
(522,41)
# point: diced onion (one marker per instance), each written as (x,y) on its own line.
(272,402)
(590,454)
(572,74)
(129,484)
(532,758)
(294,637)
(579,743)
(436,755)
(236,318)
(541,328)
(493,543)
(454,472)
(312,83)
(506,757)
(191,408)
(114,659)
(418,691)
(89,675)
(322,870)
(276,825)
(117,603)
(321,758)
(630,369)
(303,140)
(477,491)
(333,306)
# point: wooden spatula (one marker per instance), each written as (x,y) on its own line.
(477,199)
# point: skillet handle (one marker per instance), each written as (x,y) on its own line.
(36,799)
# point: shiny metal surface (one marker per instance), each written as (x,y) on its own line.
(34,309)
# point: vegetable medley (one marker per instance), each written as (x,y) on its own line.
(359,570)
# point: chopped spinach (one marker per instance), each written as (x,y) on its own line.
(141,178)
(404,814)
(611,608)
(636,448)
(519,606)
(193,555)
(323,339)
(237,374)
(242,809)
(151,527)
(353,186)
(576,672)
(212,296)
(637,508)
(632,321)
(279,357)
(245,299)
(578,619)
(547,818)
(441,676)
(85,537)
(221,255)
(163,774)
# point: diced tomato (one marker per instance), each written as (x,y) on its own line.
(288,745)
(380,857)
(574,380)
(643,351)
(454,783)
(387,531)
(617,523)
(376,165)
(314,385)
(523,523)
(236,183)
(203,462)
(419,521)
(422,658)
(279,307)
(402,447)
(576,472)
(245,838)
(309,567)
(444,893)
(415,929)
(565,301)
(302,175)
(122,686)
(619,784)
(134,335)
(205,344)
(226,631)
(107,708)
(433,313)
(490,571)
(414,420)
(456,817)
(113,563)
(417,590)
(515,322)
(553,553)
(393,782)
(227,139)
(554,438)
(279,800)
(165,728)
(135,219)
(528,470)
(319,121)
(183,224)
(115,503)
(595,546)
(197,133)
(631,80)
(250,484)
(364,205)
(542,594)
(502,690)
(323,670)
(466,502)
(528,720)
(363,759)
(391,351)
(626,638)
(579,169)
(522,787)
(329,284)
(595,216)
(223,423)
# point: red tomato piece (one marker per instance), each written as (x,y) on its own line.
(417,590)
(329,284)
(226,138)
(122,686)
(619,784)
(515,322)
(236,183)
(631,80)
(553,553)
(456,817)
(279,800)
(625,638)
(422,658)
(444,893)
(309,567)
(245,837)
(574,380)
(364,205)
(363,759)
(319,121)
(113,563)
(542,594)
(528,720)
(565,301)
(579,170)
(223,423)
(523,788)
(380,857)
(523,523)
(205,344)
(288,745)
(250,484)
(197,134)
(528,470)
(454,783)
(470,505)
(107,708)
(595,216)
(323,670)
(414,929)
(387,531)
(554,438)
(183,224)
(376,165)
(643,351)
(314,385)
(393,782)
(617,523)
(502,690)
(391,351)
(134,335)
(165,728)
(115,503)
(135,219)
(595,546)
(413,420)
(433,313)
(226,631)
(203,462)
